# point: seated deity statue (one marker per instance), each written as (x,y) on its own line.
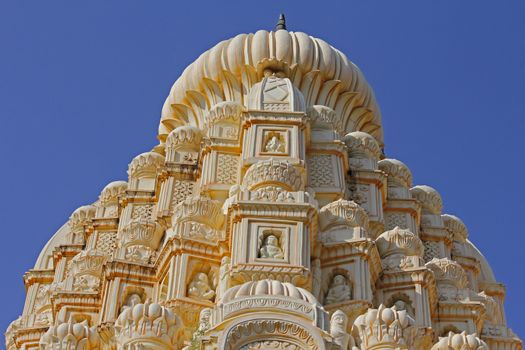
(270,248)
(339,290)
(200,287)
(273,145)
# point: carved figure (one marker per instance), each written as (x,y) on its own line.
(339,290)
(338,327)
(200,287)
(224,277)
(270,248)
(273,145)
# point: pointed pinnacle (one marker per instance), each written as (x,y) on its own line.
(281,24)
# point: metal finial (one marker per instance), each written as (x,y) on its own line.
(281,24)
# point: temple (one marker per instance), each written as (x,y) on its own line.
(268,217)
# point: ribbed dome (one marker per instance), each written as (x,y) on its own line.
(268,287)
(323,74)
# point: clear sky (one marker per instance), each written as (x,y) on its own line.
(82,84)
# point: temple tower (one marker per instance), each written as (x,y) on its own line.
(268,217)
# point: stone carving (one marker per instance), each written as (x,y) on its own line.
(277,94)
(270,248)
(181,190)
(432,250)
(275,144)
(184,137)
(140,253)
(320,171)
(199,209)
(399,249)
(429,198)
(111,193)
(338,327)
(451,278)
(316,278)
(106,242)
(323,117)
(223,111)
(86,268)
(361,144)
(199,287)
(227,168)
(273,194)
(456,227)
(273,172)
(232,110)
(224,276)
(397,172)
(147,326)
(140,238)
(395,219)
(142,212)
(461,341)
(340,290)
(342,213)
(358,193)
(70,336)
(204,325)
(145,164)
(86,283)
(273,329)
(384,328)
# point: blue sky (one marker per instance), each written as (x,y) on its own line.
(82,85)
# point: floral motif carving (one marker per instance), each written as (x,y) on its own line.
(462,341)
(273,194)
(147,325)
(273,172)
(70,336)
(385,327)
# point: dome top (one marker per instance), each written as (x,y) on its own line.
(397,171)
(399,241)
(429,198)
(361,143)
(112,190)
(268,287)
(227,72)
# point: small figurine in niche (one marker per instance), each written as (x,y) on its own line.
(339,290)
(270,248)
(199,287)
(274,145)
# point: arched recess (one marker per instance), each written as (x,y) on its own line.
(269,332)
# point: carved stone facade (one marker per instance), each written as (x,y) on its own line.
(268,217)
